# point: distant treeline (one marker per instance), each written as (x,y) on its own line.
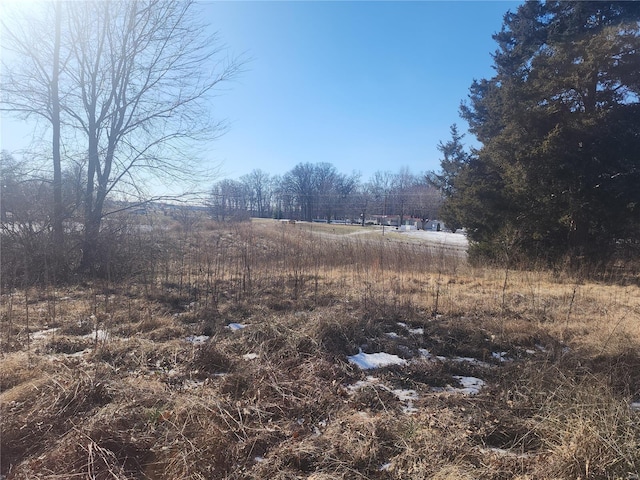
(319,191)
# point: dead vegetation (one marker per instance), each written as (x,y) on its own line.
(229,358)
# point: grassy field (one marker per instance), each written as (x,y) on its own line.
(233,354)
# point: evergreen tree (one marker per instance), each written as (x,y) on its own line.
(559,167)
(454,160)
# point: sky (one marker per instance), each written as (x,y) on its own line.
(367,86)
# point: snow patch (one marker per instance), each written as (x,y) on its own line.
(368,361)
(471,360)
(98,335)
(234,327)
(407,397)
(500,356)
(40,334)
(424,353)
(250,356)
(197,339)
(470,385)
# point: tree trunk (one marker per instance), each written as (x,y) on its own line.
(90,243)
(58,211)
(91,216)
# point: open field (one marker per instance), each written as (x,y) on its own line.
(442,241)
(269,350)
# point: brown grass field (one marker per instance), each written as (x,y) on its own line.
(142,378)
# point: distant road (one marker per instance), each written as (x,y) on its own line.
(448,239)
(453,243)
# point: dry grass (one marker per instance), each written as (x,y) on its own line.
(99,381)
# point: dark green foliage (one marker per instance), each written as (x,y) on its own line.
(453,162)
(454,158)
(559,168)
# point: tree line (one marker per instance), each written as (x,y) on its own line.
(311,191)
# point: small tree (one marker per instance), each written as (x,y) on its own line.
(453,160)
(452,164)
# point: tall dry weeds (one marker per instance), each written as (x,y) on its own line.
(144,379)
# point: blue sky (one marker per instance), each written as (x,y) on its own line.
(366,86)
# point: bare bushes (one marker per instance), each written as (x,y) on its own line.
(27,256)
(125,250)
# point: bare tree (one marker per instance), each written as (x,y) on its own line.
(360,202)
(228,201)
(258,186)
(134,93)
(299,183)
(401,190)
(426,200)
(31,89)
(379,186)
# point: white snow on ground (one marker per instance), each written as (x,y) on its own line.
(440,238)
(197,339)
(236,326)
(501,356)
(470,385)
(635,406)
(424,353)
(250,356)
(471,360)
(405,396)
(98,335)
(40,334)
(367,361)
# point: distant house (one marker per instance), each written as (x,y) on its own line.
(407,228)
